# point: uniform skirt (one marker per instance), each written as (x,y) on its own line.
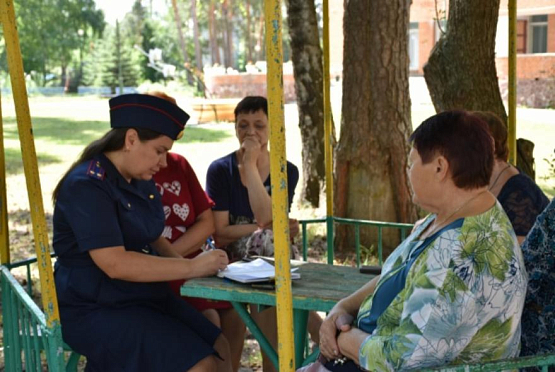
(159,336)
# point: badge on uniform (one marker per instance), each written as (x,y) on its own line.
(95,170)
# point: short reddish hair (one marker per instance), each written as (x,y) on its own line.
(498,130)
(159,94)
(464,140)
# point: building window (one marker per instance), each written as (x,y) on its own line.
(413,46)
(538,34)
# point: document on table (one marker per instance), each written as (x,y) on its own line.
(252,272)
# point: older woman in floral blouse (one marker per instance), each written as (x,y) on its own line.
(453,291)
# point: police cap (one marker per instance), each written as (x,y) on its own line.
(149,112)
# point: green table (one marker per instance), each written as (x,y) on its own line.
(321,286)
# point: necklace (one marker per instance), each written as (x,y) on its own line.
(499,175)
(438,225)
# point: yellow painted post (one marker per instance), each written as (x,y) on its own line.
(40,232)
(328,151)
(327,111)
(278,173)
(512,82)
(4,233)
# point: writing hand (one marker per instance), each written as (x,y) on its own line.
(210,262)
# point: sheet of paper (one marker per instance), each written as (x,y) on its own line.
(254,271)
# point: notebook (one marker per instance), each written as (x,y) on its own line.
(252,272)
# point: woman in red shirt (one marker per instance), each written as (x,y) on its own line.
(189,222)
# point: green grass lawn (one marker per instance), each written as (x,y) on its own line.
(62,126)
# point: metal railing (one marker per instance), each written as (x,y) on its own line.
(29,344)
(543,363)
(403,227)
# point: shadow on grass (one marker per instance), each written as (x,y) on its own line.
(70,132)
(14,162)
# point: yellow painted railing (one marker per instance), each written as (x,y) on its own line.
(40,232)
(4,233)
(512,83)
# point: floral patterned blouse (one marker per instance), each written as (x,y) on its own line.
(538,319)
(461,303)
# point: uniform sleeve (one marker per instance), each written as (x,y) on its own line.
(91,214)
(292,180)
(217,186)
(199,199)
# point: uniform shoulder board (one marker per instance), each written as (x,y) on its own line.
(95,170)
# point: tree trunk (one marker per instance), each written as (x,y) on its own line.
(461,72)
(196,35)
(227,33)
(182,44)
(248,38)
(371,166)
(309,87)
(260,42)
(178,24)
(213,35)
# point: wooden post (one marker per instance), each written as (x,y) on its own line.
(328,150)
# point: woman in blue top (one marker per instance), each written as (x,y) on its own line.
(519,195)
(538,318)
(239,185)
(115,305)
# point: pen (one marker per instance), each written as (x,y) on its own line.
(209,246)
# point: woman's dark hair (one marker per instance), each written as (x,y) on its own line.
(251,104)
(111,141)
(464,140)
(498,130)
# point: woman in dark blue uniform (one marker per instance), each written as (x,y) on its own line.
(115,306)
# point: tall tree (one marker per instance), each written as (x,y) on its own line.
(248,33)
(309,87)
(213,34)
(371,156)
(179,26)
(196,35)
(461,72)
(227,31)
(51,30)
(103,66)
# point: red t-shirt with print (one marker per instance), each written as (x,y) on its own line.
(184,200)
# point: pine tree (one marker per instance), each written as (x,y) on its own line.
(103,65)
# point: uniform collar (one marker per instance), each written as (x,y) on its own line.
(113,174)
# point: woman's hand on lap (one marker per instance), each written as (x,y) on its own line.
(328,336)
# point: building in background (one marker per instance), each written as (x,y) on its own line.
(535,44)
